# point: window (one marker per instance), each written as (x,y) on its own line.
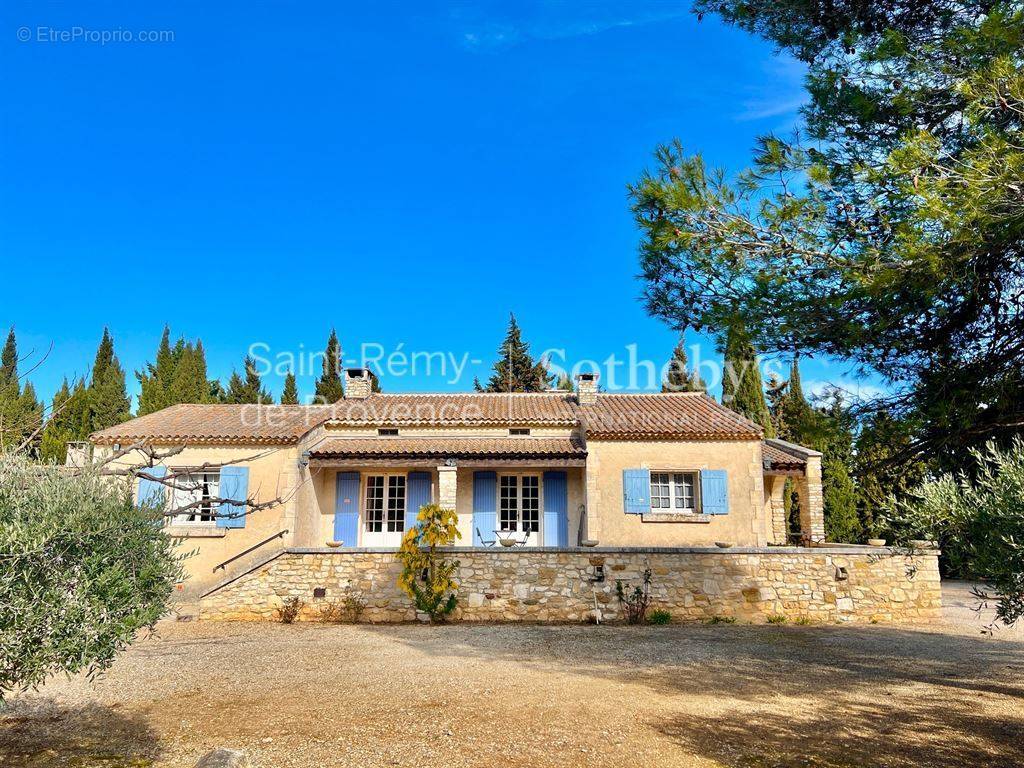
(519,503)
(387,432)
(517,431)
(385,503)
(192,492)
(674,491)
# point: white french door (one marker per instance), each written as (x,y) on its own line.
(519,510)
(383,510)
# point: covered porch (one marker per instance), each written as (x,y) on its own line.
(368,491)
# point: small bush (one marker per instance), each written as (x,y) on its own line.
(803,621)
(289,611)
(660,616)
(777,618)
(721,620)
(348,610)
(636,600)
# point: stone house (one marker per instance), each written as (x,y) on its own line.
(568,476)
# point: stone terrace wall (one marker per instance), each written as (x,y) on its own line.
(554,585)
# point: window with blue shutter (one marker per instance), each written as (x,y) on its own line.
(417,495)
(346,509)
(485,497)
(556,509)
(714,492)
(151,492)
(234,485)
(636,490)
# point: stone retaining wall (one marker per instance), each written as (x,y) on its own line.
(557,585)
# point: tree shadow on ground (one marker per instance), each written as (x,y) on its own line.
(748,661)
(853,734)
(87,737)
(839,696)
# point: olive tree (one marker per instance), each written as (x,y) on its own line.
(83,569)
(978,520)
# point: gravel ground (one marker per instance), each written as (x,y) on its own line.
(693,695)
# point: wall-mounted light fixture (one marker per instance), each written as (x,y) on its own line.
(304,460)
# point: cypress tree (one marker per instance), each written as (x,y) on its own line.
(178,376)
(248,390)
(328,386)
(842,522)
(20,412)
(516,370)
(108,402)
(290,394)
(742,386)
(9,362)
(565,383)
(67,422)
(375,382)
(679,377)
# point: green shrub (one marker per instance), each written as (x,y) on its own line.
(660,616)
(82,570)
(978,522)
(777,618)
(721,620)
(426,577)
(803,621)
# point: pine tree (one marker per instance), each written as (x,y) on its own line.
(742,387)
(515,370)
(250,389)
(108,402)
(290,394)
(564,383)
(679,377)
(328,386)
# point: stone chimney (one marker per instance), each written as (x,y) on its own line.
(358,383)
(586,388)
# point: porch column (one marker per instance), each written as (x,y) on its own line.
(812,507)
(447,486)
(776,488)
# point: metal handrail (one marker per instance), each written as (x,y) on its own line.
(254,547)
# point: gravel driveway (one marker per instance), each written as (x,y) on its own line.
(324,695)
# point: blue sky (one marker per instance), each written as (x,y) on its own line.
(408,173)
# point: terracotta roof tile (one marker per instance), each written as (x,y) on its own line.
(449,447)
(549,408)
(692,416)
(243,424)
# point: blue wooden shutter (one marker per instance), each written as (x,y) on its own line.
(346,509)
(714,492)
(417,494)
(485,499)
(636,491)
(234,484)
(152,493)
(556,509)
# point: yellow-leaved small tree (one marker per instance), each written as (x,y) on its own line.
(427,577)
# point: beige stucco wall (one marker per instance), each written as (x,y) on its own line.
(272,474)
(324,484)
(746,524)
